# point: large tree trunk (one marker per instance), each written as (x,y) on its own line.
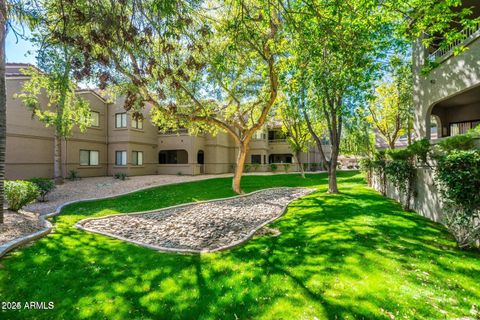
(57,160)
(3,103)
(332,171)
(237,177)
(300,164)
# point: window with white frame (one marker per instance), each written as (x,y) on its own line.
(137,158)
(120,158)
(121,120)
(89,158)
(95,118)
(137,122)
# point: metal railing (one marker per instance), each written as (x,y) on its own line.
(467,34)
(277,140)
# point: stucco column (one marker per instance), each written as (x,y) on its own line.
(421,121)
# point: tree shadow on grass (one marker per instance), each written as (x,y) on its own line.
(354,255)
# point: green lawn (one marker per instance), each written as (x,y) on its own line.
(356,255)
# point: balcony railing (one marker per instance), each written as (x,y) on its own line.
(467,35)
(179,131)
(277,140)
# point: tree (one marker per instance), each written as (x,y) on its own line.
(9,11)
(65,109)
(205,66)
(358,138)
(386,114)
(338,45)
(295,128)
(3,103)
(391,108)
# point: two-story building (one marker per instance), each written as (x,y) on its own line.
(116,142)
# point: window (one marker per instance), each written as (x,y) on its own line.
(120,120)
(173,157)
(121,158)
(462,127)
(88,158)
(259,135)
(137,123)
(256,158)
(137,158)
(95,118)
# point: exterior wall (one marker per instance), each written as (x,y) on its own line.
(426,201)
(30,144)
(454,75)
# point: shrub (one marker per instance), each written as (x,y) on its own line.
(420,150)
(123,176)
(20,193)
(73,175)
(286,167)
(458,175)
(305,166)
(273,167)
(399,154)
(247,167)
(459,142)
(44,185)
(256,166)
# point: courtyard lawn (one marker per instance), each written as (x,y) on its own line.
(356,255)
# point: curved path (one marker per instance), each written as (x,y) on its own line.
(198,227)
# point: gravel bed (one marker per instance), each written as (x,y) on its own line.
(207,226)
(17,225)
(100,187)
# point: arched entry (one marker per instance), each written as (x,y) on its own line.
(201,160)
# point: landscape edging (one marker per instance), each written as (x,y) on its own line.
(79,225)
(15,243)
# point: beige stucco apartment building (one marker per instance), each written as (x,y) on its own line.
(447,103)
(118,143)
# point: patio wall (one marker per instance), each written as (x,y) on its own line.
(426,200)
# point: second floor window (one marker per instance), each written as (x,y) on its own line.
(137,158)
(88,158)
(120,158)
(121,120)
(95,118)
(137,123)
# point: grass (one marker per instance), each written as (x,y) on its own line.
(356,255)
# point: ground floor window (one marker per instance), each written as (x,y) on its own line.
(256,158)
(88,158)
(173,157)
(137,158)
(121,158)
(280,158)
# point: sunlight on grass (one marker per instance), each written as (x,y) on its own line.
(349,256)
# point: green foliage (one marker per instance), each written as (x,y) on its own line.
(336,228)
(73,175)
(399,154)
(247,167)
(19,193)
(400,173)
(45,185)
(286,167)
(64,108)
(123,176)
(458,142)
(273,167)
(458,174)
(256,166)
(421,150)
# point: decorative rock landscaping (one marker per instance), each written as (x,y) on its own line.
(17,225)
(199,227)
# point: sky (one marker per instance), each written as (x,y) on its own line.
(17,49)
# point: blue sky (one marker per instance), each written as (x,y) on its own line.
(17,49)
